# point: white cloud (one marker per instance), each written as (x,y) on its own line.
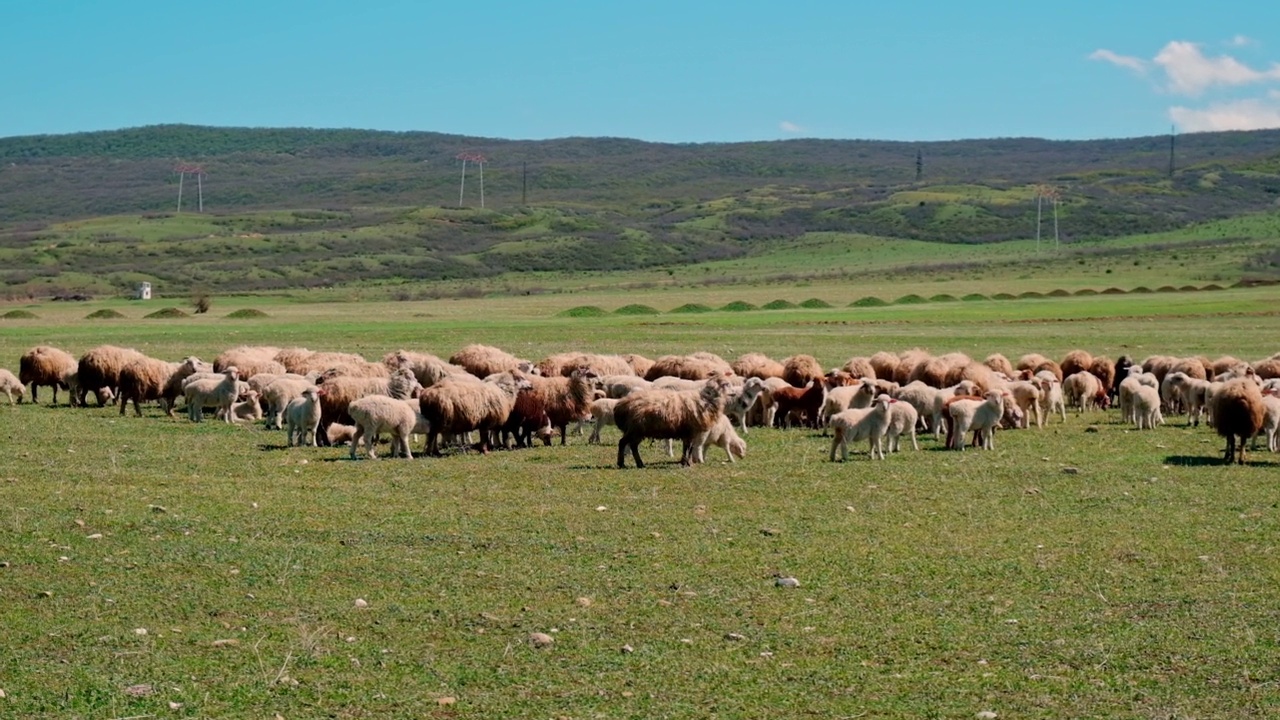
(1249,114)
(787,126)
(1191,73)
(1137,65)
(1241,41)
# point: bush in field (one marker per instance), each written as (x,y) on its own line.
(19,315)
(739,306)
(779,305)
(692,308)
(911,299)
(1058,293)
(166,313)
(583,311)
(974,297)
(943,297)
(1086,291)
(104,314)
(869,301)
(1003,296)
(815,304)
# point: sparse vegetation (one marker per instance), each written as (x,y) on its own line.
(692,308)
(104,314)
(246,313)
(813,303)
(778,305)
(19,315)
(636,309)
(739,306)
(170,312)
(583,311)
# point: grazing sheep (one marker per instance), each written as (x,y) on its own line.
(742,400)
(722,435)
(1190,394)
(982,377)
(1026,397)
(639,364)
(602,413)
(999,363)
(907,362)
(220,393)
(860,367)
(931,371)
(757,365)
(1145,408)
(885,365)
(563,364)
(805,403)
(1083,391)
(302,417)
(856,424)
(1238,414)
(619,386)
(484,360)
(456,406)
(698,366)
(45,365)
(340,434)
(1076,361)
(427,368)
(929,402)
(979,416)
(564,399)
(148,379)
(100,368)
(1105,370)
(903,419)
(375,414)
(249,360)
(1223,364)
(277,394)
(11,386)
(668,414)
(1267,369)
(341,390)
(528,418)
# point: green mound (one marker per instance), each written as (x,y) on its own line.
(1113,291)
(943,297)
(739,306)
(103,314)
(583,311)
(243,313)
(974,297)
(869,301)
(911,299)
(166,313)
(815,303)
(1058,293)
(19,315)
(1211,286)
(1188,288)
(636,309)
(1003,296)
(1030,295)
(779,305)
(1086,291)
(692,308)
(1166,288)
(1141,289)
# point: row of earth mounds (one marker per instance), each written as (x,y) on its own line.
(869,301)
(170,313)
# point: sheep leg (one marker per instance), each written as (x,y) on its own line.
(356,437)
(837,440)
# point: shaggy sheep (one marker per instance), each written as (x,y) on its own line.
(931,371)
(860,367)
(220,393)
(341,390)
(1105,370)
(563,364)
(427,368)
(804,403)
(1223,364)
(1267,369)
(907,362)
(340,434)
(45,365)
(722,435)
(528,418)
(983,377)
(564,399)
(668,414)
(757,365)
(1145,408)
(148,379)
(999,363)
(885,365)
(742,400)
(302,417)
(456,406)
(249,360)
(1076,361)
(375,414)
(639,363)
(698,366)
(979,416)
(1238,414)
(100,368)
(483,361)
(1082,390)
(11,386)
(868,424)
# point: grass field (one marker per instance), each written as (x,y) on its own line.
(155,568)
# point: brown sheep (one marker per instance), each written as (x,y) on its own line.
(757,365)
(249,360)
(565,399)
(931,371)
(1076,361)
(1225,363)
(456,406)
(861,367)
(1238,413)
(885,364)
(907,362)
(977,373)
(639,364)
(45,365)
(483,361)
(1105,370)
(1267,369)
(698,366)
(148,379)
(668,414)
(999,363)
(100,369)
(800,370)
(427,368)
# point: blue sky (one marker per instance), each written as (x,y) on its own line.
(692,71)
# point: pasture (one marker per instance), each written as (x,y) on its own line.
(150,567)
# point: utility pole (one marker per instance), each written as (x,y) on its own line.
(1172,134)
(919,164)
(524,184)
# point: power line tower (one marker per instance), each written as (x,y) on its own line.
(1050,193)
(478,159)
(184,169)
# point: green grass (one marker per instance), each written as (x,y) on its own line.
(583,311)
(637,309)
(104,314)
(163,313)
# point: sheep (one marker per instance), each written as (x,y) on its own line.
(457,406)
(980,375)
(722,435)
(1051,399)
(668,414)
(1030,361)
(1145,408)
(563,364)
(375,414)
(1026,397)
(340,434)
(427,368)
(100,368)
(602,413)
(980,416)
(1238,414)
(1270,422)
(999,363)
(249,360)
(220,393)
(805,402)
(860,367)
(639,364)
(766,408)
(340,391)
(885,365)
(1105,370)
(1191,394)
(483,360)
(838,399)
(564,399)
(277,394)
(669,382)
(902,419)
(302,417)
(868,424)
(342,364)
(106,394)
(757,365)
(929,401)
(528,418)
(149,379)
(11,386)
(1120,372)
(1083,391)
(698,366)
(1267,369)
(619,386)
(1223,364)
(246,407)
(907,362)
(742,400)
(292,358)
(1135,379)
(931,371)
(1076,361)
(45,365)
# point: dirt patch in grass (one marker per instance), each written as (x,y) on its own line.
(244,313)
(104,314)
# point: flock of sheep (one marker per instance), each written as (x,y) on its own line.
(486,397)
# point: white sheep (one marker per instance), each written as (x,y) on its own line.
(1270,422)
(856,424)
(902,420)
(1026,396)
(838,399)
(11,386)
(979,416)
(742,400)
(277,394)
(1145,407)
(302,416)
(1051,399)
(374,414)
(1083,391)
(1179,390)
(602,413)
(220,393)
(722,435)
(930,402)
(247,407)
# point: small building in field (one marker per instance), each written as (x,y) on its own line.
(143,292)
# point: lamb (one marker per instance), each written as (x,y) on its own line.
(903,419)
(1270,422)
(1238,414)
(246,407)
(484,360)
(698,366)
(929,401)
(1051,399)
(457,406)
(340,434)
(11,386)
(1145,407)
(839,399)
(741,400)
(757,365)
(602,413)
(375,414)
(277,394)
(1026,397)
(100,368)
(340,391)
(980,416)
(45,365)
(766,408)
(1191,394)
(249,360)
(302,417)
(221,394)
(1083,391)
(805,403)
(853,425)
(668,414)
(720,434)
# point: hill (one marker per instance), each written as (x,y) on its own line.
(290,208)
